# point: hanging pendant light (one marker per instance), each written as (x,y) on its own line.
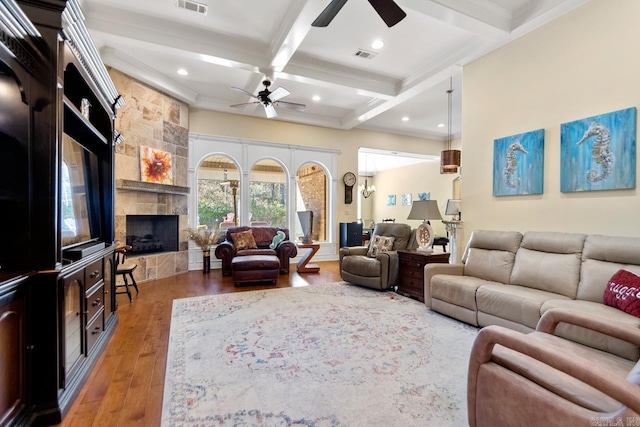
(367,190)
(449,159)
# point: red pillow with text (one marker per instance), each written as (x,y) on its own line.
(623,292)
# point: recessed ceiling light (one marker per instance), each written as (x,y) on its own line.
(441,125)
(405,119)
(377,44)
(182,72)
(316,98)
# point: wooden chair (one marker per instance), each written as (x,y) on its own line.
(125,269)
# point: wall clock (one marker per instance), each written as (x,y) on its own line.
(349,180)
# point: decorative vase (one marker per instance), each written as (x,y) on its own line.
(206,261)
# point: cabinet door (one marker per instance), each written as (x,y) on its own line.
(109,303)
(72,322)
(12,369)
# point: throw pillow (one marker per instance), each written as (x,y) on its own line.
(244,240)
(279,237)
(380,244)
(623,292)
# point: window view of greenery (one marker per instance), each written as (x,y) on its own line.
(268,194)
(217,176)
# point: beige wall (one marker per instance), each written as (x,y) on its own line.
(424,178)
(232,125)
(583,64)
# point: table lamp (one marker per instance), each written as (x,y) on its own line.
(453,208)
(425,210)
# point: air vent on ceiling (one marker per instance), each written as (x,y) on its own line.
(365,54)
(192,6)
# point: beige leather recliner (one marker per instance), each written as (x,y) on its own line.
(380,272)
(540,379)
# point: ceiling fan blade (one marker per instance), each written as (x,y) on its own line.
(244,104)
(237,89)
(278,94)
(328,13)
(270,111)
(292,105)
(389,11)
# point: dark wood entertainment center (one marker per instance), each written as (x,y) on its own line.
(57,300)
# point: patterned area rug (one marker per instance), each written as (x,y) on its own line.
(321,355)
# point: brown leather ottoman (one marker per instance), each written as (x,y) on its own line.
(255,268)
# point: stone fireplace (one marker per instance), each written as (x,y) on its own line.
(153,119)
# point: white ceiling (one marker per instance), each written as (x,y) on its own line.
(239,42)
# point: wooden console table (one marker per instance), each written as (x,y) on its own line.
(411,280)
(303,265)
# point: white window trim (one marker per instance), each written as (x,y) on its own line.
(246,152)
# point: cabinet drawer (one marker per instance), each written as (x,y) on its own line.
(94,302)
(412,283)
(94,329)
(409,265)
(93,273)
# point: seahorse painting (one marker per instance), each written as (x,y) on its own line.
(599,152)
(512,163)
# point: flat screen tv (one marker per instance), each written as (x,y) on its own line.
(80,194)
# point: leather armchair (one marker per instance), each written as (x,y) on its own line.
(380,272)
(540,379)
(285,250)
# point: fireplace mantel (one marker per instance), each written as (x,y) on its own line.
(150,187)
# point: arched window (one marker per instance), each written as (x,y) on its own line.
(218,192)
(268,194)
(311,202)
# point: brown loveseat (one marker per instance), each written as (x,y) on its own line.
(263,236)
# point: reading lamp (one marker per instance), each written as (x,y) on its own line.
(425,210)
(453,208)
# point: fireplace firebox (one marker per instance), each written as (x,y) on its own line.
(148,234)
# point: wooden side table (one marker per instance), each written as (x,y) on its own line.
(411,275)
(303,265)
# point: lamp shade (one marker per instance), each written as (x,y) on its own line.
(424,210)
(453,207)
(449,161)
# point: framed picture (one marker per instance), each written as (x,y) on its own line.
(155,166)
(391,200)
(424,196)
(599,152)
(406,199)
(518,164)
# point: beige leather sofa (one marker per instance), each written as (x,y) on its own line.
(511,280)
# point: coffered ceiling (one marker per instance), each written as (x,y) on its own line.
(239,42)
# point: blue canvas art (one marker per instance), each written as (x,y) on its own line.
(406,199)
(599,152)
(391,200)
(518,164)
(424,196)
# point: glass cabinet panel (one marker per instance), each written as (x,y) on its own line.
(72,323)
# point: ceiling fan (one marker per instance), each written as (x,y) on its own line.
(388,10)
(270,99)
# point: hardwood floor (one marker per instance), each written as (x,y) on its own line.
(126,386)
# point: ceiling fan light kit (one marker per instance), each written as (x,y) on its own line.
(388,10)
(269,100)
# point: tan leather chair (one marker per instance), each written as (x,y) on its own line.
(380,272)
(540,379)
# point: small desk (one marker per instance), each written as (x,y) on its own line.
(303,265)
(411,274)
